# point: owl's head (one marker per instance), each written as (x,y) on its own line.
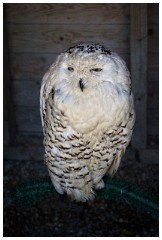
(87,66)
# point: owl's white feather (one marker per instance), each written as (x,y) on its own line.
(87,114)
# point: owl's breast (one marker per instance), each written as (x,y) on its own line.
(94,109)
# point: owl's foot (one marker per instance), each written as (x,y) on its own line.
(99,185)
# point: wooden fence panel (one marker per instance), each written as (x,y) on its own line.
(138,42)
(68,13)
(57,38)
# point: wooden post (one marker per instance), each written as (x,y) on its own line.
(138,48)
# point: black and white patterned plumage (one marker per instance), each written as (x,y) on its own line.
(87,116)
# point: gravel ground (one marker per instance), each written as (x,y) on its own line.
(56,215)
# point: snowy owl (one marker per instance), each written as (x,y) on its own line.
(87,113)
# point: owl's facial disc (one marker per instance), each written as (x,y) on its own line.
(81,84)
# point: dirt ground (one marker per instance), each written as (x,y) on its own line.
(56,215)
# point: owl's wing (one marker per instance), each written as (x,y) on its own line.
(42,103)
(46,87)
(115,163)
(127,137)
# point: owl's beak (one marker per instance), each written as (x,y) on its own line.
(81,84)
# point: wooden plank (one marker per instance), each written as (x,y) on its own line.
(68,13)
(153,13)
(149,156)
(153,102)
(153,38)
(26,93)
(153,76)
(153,122)
(139,72)
(5,132)
(10,127)
(32,66)
(153,141)
(153,62)
(153,95)
(28,120)
(153,73)
(57,38)
(24,153)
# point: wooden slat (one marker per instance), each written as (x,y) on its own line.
(153,63)
(149,156)
(32,66)
(153,122)
(68,13)
(28,120)
(24,153)
(5,131)
(153,142)
(153,76)
(57,38)
(153,38)
(139,72)
(10,127)
(26,93)
(153,13)
(153,95)
(153,103)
